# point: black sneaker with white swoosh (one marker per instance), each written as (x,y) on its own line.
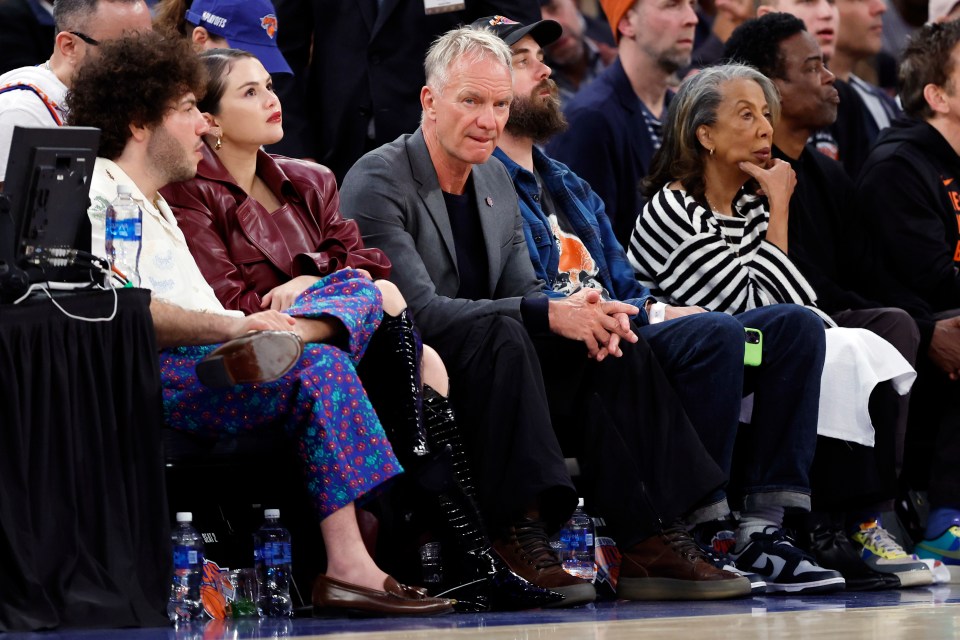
(785,568)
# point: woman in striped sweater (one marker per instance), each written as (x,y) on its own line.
(714,233)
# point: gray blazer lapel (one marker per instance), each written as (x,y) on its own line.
(428,188)
(495,217)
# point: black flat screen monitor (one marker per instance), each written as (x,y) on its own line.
(47,190)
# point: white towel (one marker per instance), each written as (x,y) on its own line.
(857,360)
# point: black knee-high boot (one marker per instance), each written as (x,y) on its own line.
(487,581)
(390,372)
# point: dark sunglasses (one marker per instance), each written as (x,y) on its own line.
(86,38)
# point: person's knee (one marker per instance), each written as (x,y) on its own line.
(793,319)
(502,340)
(714,337)
(789,331)
(904,333)
(434,373)
(720,331)
(393,302)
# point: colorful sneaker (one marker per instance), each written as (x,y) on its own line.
(716,545)
(946,548)
(883,553)
(786,569)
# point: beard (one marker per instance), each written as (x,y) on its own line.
(537,118)
(672,60)
(169,158)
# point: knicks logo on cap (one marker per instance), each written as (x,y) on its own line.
(498,20)
(269,24)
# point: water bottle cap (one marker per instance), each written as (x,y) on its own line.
(271,513)
(579,503)
(184,516)
(123,188)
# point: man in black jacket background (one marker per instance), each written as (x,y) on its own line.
(852,484)
(909,199)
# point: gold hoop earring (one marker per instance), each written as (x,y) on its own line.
(219,143)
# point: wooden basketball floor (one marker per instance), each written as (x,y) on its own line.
(932,612)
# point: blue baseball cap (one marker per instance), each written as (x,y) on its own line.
(250,25)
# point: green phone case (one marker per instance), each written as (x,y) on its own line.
(753,347)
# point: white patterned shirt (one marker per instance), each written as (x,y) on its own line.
(166,266)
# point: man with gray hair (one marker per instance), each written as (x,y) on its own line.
(33,96)
(523,386)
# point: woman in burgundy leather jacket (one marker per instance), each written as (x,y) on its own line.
(263,230)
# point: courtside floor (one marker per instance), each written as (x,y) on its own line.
(932,612)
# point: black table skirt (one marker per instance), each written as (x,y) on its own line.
(84,536)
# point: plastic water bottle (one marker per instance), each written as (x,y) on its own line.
(576,545)
(124,234)
(185,603)
(272,559)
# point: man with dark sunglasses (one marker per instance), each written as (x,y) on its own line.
(33,96)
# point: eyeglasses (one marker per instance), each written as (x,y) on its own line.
(86,38)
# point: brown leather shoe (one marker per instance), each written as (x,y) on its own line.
(527,551)
(395,599)
(670,566)
(261,356)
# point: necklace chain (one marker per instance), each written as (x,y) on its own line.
(721,227)
(713,207)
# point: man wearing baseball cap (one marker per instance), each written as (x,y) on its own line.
(572,247)
(615,122)
(250,25)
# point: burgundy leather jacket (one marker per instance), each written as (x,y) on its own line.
(244,251)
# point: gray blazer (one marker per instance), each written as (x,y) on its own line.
(394,195)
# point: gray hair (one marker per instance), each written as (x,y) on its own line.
(681,156)
(72,15)
(478,44)
(699,96)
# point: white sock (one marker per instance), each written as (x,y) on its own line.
(755,521)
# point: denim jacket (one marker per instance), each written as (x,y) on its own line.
(584,210)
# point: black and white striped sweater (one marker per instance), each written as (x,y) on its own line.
(688,255)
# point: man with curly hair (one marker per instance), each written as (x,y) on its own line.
(33,96)
(142,94)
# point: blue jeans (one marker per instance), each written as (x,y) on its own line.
(768,461)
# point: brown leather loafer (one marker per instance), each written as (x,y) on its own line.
(670,566)
(261,356)
(395,599)
(527,551)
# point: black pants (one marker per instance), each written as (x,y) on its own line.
(848,476)
(932,458)
(500,405)
(640,457)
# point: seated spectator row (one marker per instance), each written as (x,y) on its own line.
(469,321)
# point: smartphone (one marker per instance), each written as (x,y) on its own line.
(753,347)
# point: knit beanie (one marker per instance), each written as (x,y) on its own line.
(615,9)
